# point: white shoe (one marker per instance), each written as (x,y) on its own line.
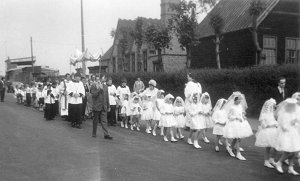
(126,126)
(138,128)
(153,133)
(177,136)
(205,140)
(148,131)
(181,136)
(173,140)
(241,149)
(286,162)
(278,167)
(217,149)
(122,125)
(131,127)
(190,141)
(229,150)
(272,161)
(196,144)
(166,139)
(268,164)
(240,156)
(220,142)
(292,171)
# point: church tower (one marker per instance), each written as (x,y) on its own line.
(166,10)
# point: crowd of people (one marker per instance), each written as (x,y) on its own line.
(78,98)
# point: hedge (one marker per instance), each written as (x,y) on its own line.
(255,82)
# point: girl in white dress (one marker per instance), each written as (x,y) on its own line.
(220,119)
(156,115)
(267,131)
(124,111)
(135,112)
(147,111)
(237,126)
(179,112)
(288,136)
(297,97)
(205,116)
(167,117)
(196,125)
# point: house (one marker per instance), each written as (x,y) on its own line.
(278,35)
(124,56)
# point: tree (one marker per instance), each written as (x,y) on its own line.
(256,8)
(112,33)
(184,23)
(159,37)
(124,40)
(217,23)
(138,36)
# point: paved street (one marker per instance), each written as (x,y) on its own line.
(34,149)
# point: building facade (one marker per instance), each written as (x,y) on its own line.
(278,35)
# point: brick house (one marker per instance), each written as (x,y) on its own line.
(173,58)
(278,35)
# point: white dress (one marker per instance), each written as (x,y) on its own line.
(147,111)
(267,132)
(288,139)
(156,114)
(167,116)
(195,121)
(219,117)
(190,88)
(237,126)
(179,116)
(206,118)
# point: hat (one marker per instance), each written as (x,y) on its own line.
(161,91)
(152,82)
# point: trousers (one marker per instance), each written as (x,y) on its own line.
(101,117)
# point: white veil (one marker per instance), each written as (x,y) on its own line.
(230,101)
(267,109)
(180,100)
(203,96)
(218,105)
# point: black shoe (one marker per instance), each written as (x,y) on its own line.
(78,126)
(108,137)
(94,136)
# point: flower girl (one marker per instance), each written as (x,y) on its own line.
(167,117)
(267,131)
(179,111)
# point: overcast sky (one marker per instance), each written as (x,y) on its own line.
(55,27)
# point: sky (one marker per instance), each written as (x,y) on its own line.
(54,26)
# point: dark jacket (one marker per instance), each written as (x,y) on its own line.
(2,85)
(278,96)
(100,98)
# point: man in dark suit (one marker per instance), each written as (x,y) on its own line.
(280,93)
(2,89)
(100,98)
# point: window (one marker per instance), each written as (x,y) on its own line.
(292,50)
(114,64)
(132,62)
(145,60)
(269,50)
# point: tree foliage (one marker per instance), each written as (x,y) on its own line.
(158,36)
(217,23)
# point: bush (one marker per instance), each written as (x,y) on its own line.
(255,82)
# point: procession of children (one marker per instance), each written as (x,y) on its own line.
(278,133)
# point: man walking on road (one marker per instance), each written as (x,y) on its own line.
(2,89)
(100,98)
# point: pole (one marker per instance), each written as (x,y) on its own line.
(32,57)
(82,40)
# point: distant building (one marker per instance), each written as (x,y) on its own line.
(21,70)
(113,60)
(278,35)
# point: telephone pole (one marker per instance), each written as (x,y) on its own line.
(32,61)
(82,41)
